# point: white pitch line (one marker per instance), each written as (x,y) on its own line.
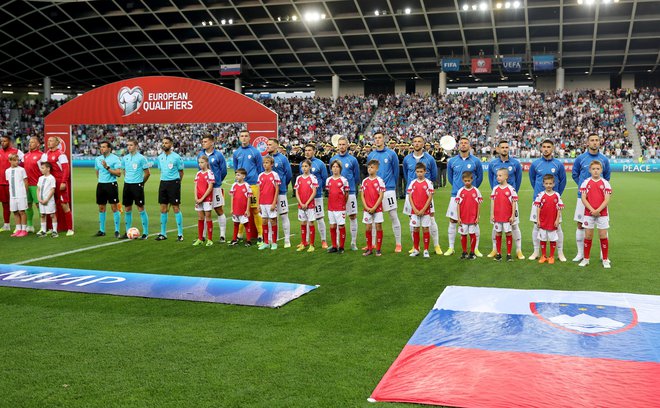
(75,251)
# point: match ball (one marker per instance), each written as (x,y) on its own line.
(133,233)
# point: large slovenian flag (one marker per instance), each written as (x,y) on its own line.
(489,347)
(230,69)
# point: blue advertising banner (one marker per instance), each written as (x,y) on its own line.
(544,62)
(512,64)
(451,64)
(214,290)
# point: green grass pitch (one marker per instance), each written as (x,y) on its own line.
(327,349)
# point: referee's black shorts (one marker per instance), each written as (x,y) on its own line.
(107,193)
(133,193)
(169,192)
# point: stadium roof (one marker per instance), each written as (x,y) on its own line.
(294,42)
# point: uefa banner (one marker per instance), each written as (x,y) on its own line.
(481,65)
(451,64)
(543,62)
(214,290)
(512,64)
(491,347)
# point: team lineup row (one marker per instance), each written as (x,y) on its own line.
(269,203)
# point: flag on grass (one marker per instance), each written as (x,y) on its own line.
(513,348)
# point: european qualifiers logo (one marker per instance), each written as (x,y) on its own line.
(129,99)
(260,142)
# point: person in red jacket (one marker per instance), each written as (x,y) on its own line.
(60,170)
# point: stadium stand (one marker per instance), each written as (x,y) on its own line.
(646,103)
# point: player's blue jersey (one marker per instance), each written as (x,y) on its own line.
(111,161)
(515,171)
(134,167)
(250,159)
(457,165)
(410,161)
(350,170)
(217,164)
(581,167)
(283,169)
(389,166)
(320,171)
(539,168)
(169,165)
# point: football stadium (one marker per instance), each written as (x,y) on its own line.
(343,203)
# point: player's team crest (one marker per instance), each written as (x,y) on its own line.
(170,166)
(135,166)
(510,168)
(130,99)
(469,166)
(506,193)
(346,165)
(552,170)
(385,160)
(249,156)
(584,319)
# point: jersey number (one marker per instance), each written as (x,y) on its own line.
(390,201)
(319,209)
(217,197)
(353,204)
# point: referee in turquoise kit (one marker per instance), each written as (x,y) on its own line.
(108,168)
(169,191)
(136,174)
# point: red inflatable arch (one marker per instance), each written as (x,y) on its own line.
(159,99)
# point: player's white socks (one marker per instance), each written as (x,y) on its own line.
(478,233)
(43,226)
(396,225)
(321,232)
(517,236)
(579,240)
(535,238)
(434,232)
(222,223)
(492,236)
(286,228)
(560,240)
(354,230)
(451,233)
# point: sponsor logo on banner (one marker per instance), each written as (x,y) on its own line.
(132,99)
(481,65)
(512,64)
(451,64)
(544,62)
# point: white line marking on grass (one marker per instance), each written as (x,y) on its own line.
(75,251)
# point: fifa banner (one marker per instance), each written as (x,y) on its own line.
(490,347)
(214,290)
(451,64)
(512,64)
(543,62)
(481,65)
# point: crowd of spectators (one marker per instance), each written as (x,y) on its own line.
(525,119)
(646,108)
(567,117)
(318,119)
(434,116)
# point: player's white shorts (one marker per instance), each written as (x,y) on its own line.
(452,210)
(48,208)
(218,199)
(416,221)
(241,219)
(589,222)
(407,208)
(266,212)
(337,217)
(282,204)
(318,208)
(533,216)
(204,206)
(545,235)
(502,227)
(18,204)
(389,201)
(372,218)
(466,229)
(351,205)
(306,215)
(579,211)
